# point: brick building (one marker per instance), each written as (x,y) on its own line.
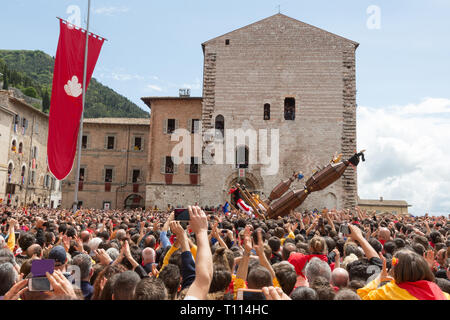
(167,182)
(24,175)
(277,73)
(113,164)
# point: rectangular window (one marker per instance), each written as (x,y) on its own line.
(289,109)
(81,174)
(169,166)
(110,143)
(267,111)
(84,142)
(136,174)
(170,126)
(193,168)
(195,126)
(108,175)
(137,143)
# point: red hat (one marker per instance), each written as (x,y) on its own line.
(298,260)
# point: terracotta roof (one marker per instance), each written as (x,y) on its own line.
(383,203)
(125,121)
(22,102)
(148,100)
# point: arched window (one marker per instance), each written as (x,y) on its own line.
(289,109)
(220,127)
(241,157)
(267,111)
(13,146)
(20,147)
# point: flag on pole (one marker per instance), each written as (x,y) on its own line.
(66,99)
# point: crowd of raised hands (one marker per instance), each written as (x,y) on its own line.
(148,254)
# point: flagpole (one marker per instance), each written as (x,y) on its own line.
(80,133)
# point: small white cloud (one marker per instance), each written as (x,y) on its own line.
(407,154)
(126,76)
(197,85)
(154,87)
(110,11)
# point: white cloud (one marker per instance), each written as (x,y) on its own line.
(126,76)
(110,11)
(197,85)
(407,154)
(154,87)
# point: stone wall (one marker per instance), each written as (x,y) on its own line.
(33,156)
(96,158)
(266,62)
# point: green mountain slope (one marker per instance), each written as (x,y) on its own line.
(32,73)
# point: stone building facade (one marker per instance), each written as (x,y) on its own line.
(178,182)
(24,131)
(380,206)
(113,164)
(276,74)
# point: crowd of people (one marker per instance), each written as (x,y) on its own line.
(149,255)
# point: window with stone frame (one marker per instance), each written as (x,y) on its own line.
(110,143)
(108,174)
(137,143)
(195,126)
(193,166)
(242,155)
(84,142)
(171,126)
(169,166)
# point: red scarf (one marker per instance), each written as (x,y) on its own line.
(423,290)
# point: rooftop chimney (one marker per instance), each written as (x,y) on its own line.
(184,93)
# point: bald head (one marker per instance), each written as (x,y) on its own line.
(148,255)
(34,249)
(85,236)
(384,234)
(339,277)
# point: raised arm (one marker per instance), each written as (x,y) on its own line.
(204,264)
(356,234)
(259,248)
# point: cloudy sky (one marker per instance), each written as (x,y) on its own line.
(403,69)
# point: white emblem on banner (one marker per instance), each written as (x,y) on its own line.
(73,88)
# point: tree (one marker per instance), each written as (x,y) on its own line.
(31,92)
(45,102)
(5,81)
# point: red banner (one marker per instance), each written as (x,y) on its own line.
(66,100)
